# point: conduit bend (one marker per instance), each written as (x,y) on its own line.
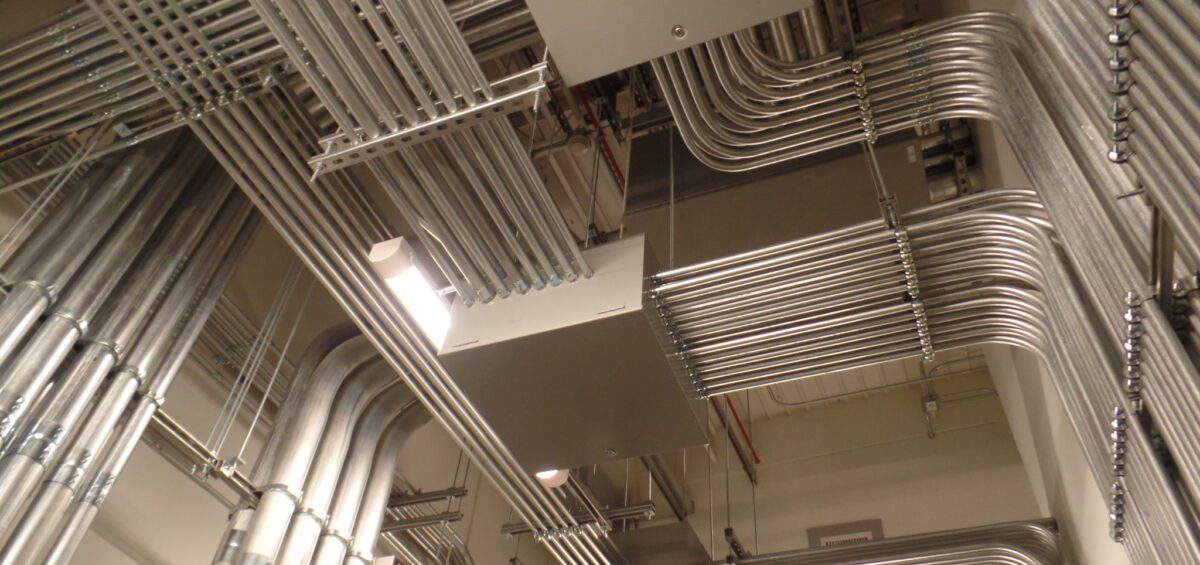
(294,440)
(352,399)
(290,411)
(347,499)
(373,507)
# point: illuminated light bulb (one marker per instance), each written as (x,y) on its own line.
(395,262)
(553,478)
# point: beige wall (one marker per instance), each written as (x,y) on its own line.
(1053,456)
(870,458)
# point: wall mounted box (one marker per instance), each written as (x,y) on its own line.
(576,374)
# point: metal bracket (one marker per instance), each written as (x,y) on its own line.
(1116,507)
(1132,380)
(1118,64)
(864,101)
(913,291)
(511,94)
(736,548)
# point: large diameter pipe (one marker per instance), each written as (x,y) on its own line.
(290,410)
(299,439)
(35,365)
(373,507)
(53,421)
(86,505)
(335,539)
(213,261)
(353,397)
(74,198)
(105,193)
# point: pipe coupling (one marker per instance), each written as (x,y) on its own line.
(1118,437)
(321,518)
(137,373)
(1131,381)
(112,347)
(361,557)
(45,290)
(40,442)
(12,406)
(69,472)
(1116,512)
(343,537)
(99,488)
(78,323)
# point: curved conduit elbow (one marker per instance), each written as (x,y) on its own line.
(292,445)
(239,519)
(347,499)
(352,399)
(373,507)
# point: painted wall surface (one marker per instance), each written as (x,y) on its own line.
(868,458)
(1053,456)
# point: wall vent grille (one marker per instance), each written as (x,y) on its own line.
(846,533)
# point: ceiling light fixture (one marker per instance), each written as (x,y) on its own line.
(395,262)
(553,478)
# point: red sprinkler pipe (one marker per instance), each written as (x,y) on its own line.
(608,154)
(745,435)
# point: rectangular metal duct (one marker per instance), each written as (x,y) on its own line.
(575,374)
(590,39)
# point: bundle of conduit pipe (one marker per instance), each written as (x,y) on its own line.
(1017,543)
(1129,385)
(89,357)
(262,135)
(71,74)
(327,470)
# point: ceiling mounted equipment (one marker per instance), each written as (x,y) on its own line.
(576,374)
(634,31)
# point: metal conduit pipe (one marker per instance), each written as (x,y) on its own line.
(207,270)
(72,526)
(53,422)
(373,507)
(273,165)
(352,399)
(24,380)
(75,196)
(307,203)
(1038,537)
(297,434)
(321,347)
(95,79)
(105,195)
(371,426)
(1082,225)
(379,299)
(238,120)
(928,260)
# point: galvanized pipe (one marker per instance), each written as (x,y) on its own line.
(352,399)
(374,423)
(208,270)
(84,507)
(373,504)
